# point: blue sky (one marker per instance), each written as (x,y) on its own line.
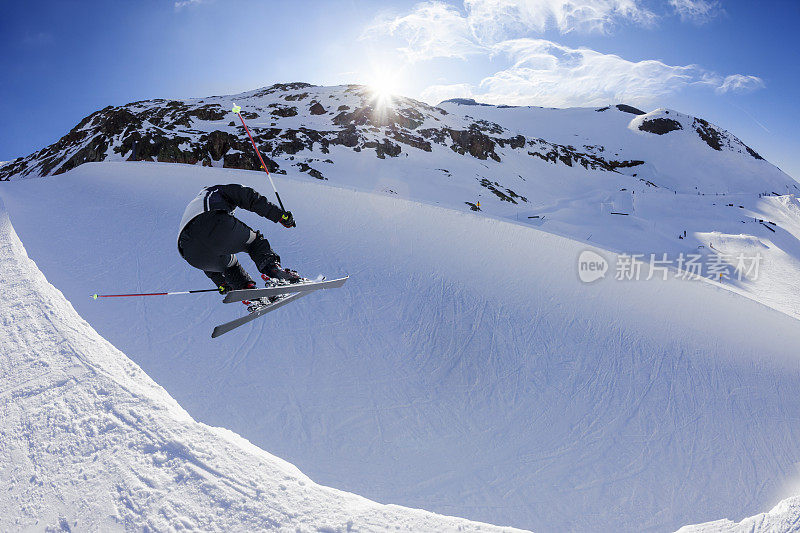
(733,62)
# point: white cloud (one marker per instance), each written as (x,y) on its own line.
(494,20)
(186,3)
(433,29)
(543,72)
(740,83)
(550,74)
(698,11)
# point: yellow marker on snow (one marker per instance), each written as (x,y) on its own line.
(236,109)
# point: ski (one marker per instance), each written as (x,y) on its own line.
(302,287)
(233,324)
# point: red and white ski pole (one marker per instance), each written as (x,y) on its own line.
(238,110)
(96,296)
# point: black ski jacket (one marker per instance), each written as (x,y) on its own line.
(227,198)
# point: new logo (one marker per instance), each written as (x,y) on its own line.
(591,266)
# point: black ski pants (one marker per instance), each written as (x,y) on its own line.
(211,241)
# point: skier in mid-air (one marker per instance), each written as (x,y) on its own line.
(210,237)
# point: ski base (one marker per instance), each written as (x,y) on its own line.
(233,324)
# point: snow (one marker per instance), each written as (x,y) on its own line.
(463,368)
(783,518)
(679,160)
(90,443)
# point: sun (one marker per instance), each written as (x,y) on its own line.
(382,85)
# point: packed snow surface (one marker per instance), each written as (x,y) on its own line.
(88,442)
(783,518)
(463,369)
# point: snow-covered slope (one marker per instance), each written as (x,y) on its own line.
(675,151)
(464,369)
(88,442)
(783,518)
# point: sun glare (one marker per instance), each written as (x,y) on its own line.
(382,86)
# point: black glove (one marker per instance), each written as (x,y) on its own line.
(224,288)
(287,220)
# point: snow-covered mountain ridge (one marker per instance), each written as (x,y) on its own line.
(311,128)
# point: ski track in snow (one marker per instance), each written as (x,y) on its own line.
(88,442)
(463,368)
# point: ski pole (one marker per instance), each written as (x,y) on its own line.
(96,296)
(238,110)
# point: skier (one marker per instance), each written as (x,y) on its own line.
(210,236)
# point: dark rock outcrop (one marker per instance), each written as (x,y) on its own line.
(209,112)
(464,101)
(347,136)
(295,97)
(473,142)
(660,126)
(314,173)
(404,137)
(285,112)
(708,133)
(384,148)
(630,109)
(505,194)
(753,153)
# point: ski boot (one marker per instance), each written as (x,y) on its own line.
(274,274)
